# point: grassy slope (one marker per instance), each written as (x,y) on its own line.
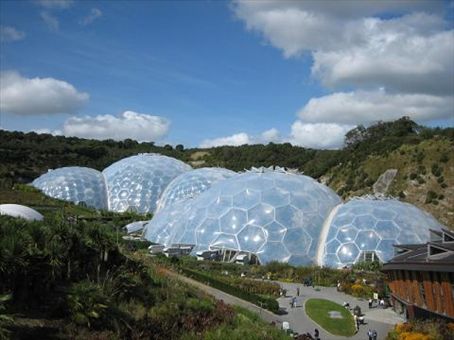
(318,310)
(410,159)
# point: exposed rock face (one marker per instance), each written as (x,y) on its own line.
(384,181)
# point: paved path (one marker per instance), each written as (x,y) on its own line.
(266,315)
(382,320)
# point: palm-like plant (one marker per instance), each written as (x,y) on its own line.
(5,320)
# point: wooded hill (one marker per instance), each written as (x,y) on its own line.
(424,158)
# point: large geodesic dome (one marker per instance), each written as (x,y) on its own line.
(363,226)
(135,183)
(276,215)
(75,184)
(190,184)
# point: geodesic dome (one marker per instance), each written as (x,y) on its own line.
(275,215)
(373,225)
(21,211)
(136,182)
(75,184)
(191,184)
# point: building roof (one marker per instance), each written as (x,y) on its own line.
(437,255)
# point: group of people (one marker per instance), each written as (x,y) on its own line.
(380,303)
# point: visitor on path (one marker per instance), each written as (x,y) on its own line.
(369,334)
(316,334)
(297,291)
(355,319)
(294,302)
(374,335)
(370,303)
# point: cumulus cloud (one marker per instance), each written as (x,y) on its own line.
(27,96)
(368,106)
(51,21)
(352,45)
(55,4)
(234,140)
(129,124)
(9,34)
(318,135)
(94,14)
(271,135)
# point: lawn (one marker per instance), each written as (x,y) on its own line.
(318,310)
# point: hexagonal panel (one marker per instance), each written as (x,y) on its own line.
(225,241)
(251,238)
(384,214)
(346,234)
(348,253)
(364,222)
(246,199)
(273,251)
(297,241)
(207,231)
(261,214)
(305,202)
(275,231)
(233,221)
(276,197)
(289,216)
(367,240)
(387,229)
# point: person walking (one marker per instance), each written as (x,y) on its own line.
(316,334)
(370,303)
(374,335)
(369,334)
(294,302)
(297,291)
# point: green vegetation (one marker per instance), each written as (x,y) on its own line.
(264,301)
(420,154)
(68,277)
(318,310)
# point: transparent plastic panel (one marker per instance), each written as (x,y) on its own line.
(135,183)
(191,184)
(255,209)
(374,225)
(74,184)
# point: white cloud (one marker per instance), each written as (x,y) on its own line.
(234,140)
(27,96)
(48,131)
(271,135)
(129,124)
(9,34)
(52,22)
(369,106)
(352,46)
(55,4)
(318,135)
(94,14)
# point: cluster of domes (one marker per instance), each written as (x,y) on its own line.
(132,184)
(275,214)
(20,211)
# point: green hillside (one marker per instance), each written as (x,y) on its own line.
(424,158)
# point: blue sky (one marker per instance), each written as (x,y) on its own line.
(216,72)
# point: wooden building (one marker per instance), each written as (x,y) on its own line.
(421,277)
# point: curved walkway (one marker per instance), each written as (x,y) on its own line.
(382,320)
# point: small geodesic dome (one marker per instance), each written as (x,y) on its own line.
(135,183)
(371,225)
(191,184)
(75,184)
(274,214)
(20,211)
